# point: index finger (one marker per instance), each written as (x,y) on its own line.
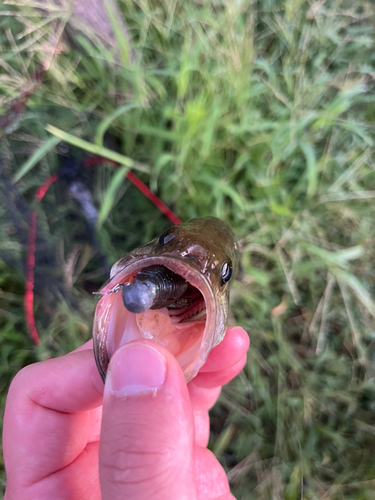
(68,384)
(229,352)
(46,425)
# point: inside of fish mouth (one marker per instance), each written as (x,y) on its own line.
(179,327)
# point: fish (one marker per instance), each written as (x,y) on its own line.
(173,290)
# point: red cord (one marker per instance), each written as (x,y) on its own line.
(41,191)
(29,287)
(99,160)
(138,184)
(30,260)
(153,198)
(28,302)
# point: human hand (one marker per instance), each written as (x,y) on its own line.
(151,439)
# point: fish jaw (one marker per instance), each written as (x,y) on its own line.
(189,340)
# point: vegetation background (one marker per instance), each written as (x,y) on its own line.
(258,112)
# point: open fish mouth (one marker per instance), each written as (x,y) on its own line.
(185,327)
(173,290)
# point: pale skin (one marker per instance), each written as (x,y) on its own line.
(151,442)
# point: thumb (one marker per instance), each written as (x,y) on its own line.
(147,438)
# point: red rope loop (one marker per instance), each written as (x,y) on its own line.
(30,260)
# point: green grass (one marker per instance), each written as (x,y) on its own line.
(260,113)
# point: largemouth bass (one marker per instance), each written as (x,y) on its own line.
(173,290)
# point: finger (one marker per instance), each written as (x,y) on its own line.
(78,481)
(202,428)
(233,347)
(37,442)
(95,424)
(202,398)
(219,378)
(84,347)
(212,481)
(38,422)
(147,441)
(68,384)
(205,388)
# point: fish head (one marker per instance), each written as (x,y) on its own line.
(203,251)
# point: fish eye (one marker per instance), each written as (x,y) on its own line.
(166,237)
(226,272)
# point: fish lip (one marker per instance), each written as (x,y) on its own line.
(191,274)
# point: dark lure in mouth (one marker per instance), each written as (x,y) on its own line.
(157,287)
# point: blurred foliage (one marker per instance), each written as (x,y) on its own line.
(260,113)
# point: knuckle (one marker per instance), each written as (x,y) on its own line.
(18,383)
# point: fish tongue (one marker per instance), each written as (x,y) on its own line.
(156,324)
